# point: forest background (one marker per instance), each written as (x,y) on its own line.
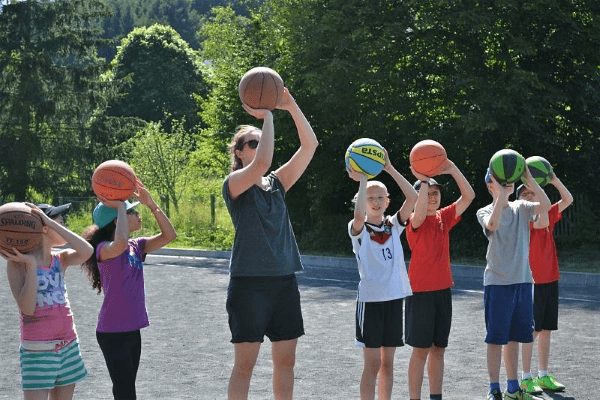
(154,83)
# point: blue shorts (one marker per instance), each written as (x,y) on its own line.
(508,313)
(42,370)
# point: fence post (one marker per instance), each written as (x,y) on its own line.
(212,209)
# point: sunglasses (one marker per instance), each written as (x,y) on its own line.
(251,143)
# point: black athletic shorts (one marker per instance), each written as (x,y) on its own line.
(545,306)
(379,323)
(259,306)
(428,318)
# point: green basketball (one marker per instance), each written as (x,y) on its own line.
(507,166)
(540,169)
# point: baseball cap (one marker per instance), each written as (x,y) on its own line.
(52,211)
(431,181)
(103,214)
(488,176)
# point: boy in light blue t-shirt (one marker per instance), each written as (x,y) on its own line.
(508,284)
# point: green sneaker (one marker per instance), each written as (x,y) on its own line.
(518,395)
(548,382)
(531,386)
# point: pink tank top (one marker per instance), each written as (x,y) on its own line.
(53,319)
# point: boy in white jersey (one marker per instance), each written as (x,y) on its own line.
(383,278)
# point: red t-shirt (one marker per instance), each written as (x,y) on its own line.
(429,267)
(543,259)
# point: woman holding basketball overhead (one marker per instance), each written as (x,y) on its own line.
(116,267)
(51,362)
(263,297)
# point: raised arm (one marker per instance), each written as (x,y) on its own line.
(167,231)
(80,249)
(467,194)
(254,169)
(422,198)
(119,244)
(409,193)
(289,173)
(22,278)
(500,196)
(360,205)
(566,198)
(543,205)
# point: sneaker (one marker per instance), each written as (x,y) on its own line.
(531,386)
(518,395)
(548,382)
(495,395)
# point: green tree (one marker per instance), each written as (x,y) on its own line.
(160,160)
(49,89)
(164,75)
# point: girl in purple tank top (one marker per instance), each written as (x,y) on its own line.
(51,362)
(116,268)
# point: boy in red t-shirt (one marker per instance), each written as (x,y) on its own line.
(543,262)
(429,309)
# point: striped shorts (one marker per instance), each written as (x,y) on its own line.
(42,370)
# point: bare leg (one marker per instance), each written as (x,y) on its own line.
(544,349)
(511,360)
(62,393)
(494,361)
(245,359)
(369,374)
(284,359)
(416,368)
(386,373)
(435,369)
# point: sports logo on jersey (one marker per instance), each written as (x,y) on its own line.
(380,234)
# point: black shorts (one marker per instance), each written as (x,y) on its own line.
(428,318)
(545,306)
(379,323)
(259,306)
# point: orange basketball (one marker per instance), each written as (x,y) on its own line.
(19,228)
(114,179)
(427,157)
(261,87)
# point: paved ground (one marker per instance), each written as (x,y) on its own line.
(186,352)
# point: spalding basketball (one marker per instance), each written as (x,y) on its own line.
(261,87)
(366,156)
(428,157)
(19,228)
(540,169)
(114,179)
(507,166)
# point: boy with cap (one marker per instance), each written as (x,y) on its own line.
(508,283)
(429,310)
(543,261)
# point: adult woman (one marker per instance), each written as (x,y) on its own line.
(263,297)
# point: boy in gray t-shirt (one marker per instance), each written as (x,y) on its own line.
(508,284)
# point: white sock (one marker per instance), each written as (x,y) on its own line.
(526,375)
(542,373)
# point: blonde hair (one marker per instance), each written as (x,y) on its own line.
(370,184)
(236,142)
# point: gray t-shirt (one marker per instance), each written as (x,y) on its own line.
(508,248)
(264,243)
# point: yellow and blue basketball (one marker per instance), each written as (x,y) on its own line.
(366,156)
(507,166)
(540,169)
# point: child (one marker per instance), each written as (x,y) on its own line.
(383,279)
(543,261)
(116,267)
(429,309)
(49,339)
(508,284)
(263,296)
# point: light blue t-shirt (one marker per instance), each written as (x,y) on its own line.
(264,242)
(508,248)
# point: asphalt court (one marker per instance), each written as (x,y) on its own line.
(186,352)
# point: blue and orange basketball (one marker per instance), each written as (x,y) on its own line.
(540,169)
(366,156)
(507,166)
